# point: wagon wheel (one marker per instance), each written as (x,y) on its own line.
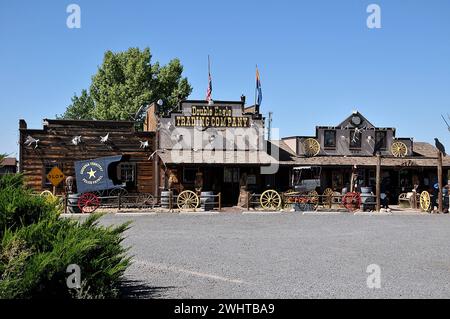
(328,196)
(88,203)
(270,199)
(48,196)
(425,201)
(311,147)
(399,149)
(118,191)
(352,201)
(313,198)
(188,200)
(146,200)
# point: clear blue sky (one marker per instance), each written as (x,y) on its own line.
(318,60)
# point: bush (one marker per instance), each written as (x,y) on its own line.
(36,246)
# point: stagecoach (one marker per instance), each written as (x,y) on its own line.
(98,179)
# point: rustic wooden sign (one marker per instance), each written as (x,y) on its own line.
(55,176)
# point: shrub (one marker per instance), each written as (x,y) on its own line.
(36,246)
(18,207)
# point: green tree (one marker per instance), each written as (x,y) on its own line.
(125,82)
(82,108)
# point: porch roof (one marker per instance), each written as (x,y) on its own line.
(370,161)
(224,157)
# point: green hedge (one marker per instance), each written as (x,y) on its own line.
(37,245)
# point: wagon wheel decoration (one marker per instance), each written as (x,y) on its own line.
(328,196)
(352,201)
(311,147)
(399,149)
(146,201)
(48,196)
(188,200)
(270,199)
(425,201)
(313,198)
(88,203)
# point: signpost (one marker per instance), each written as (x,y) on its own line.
(55,176)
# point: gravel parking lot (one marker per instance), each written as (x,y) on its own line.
(287,255)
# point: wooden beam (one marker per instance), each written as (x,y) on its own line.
(440,182)
(378,182)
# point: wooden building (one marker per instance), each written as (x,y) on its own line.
(8,165)
(62,142)
(214,147)
(350,149)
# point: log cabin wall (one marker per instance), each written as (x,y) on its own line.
(55,148)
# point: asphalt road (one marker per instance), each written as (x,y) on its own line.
(288,255)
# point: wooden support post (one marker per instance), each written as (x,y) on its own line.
(440,182)
(220,202)
(378,182)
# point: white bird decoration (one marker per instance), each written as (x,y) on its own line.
(30,140)
(76,140)
(104,139)
(144,144)
(212,138)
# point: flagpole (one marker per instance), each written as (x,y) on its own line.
(255,84)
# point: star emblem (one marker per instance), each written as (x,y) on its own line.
(91,173)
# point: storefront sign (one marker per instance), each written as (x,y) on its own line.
(211,116)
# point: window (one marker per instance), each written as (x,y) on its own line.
(330,139)
(189,175)
(380,140)
(127,172)
(355,139)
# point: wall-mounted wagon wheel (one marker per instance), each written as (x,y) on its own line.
(188,200)
(352,201)
(270,199)
(399,149)
(311,147)
(425,201)
(88,203)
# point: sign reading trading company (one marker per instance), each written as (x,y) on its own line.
(55,176)
(211,116)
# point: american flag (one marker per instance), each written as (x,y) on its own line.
(209,90)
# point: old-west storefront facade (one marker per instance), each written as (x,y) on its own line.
(62,142)
(217,147)
(348,151)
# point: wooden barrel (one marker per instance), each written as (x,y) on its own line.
(165,199)
(207,200)
(72,204)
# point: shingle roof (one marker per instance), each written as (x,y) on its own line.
(9,161)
